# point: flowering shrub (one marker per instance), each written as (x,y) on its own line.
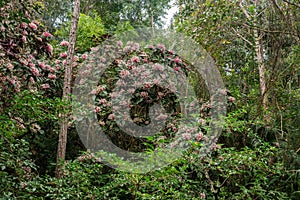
(132,62)
(23,48)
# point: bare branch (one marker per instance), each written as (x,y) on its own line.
(243,38)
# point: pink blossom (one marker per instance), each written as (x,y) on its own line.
(113,95)
(97,109)
(24,39)
(31,79)
(102,123)
(202,195)
(25,33)
(144,94)
(57,67)
(84,56)
(64,62)
(45,86)
(115,108)
(100,88)
(64,43)
(161,47)
(147,85)
(94,92)
(102,101)
(156,81)
(231,99)
(150,46)
(33,26)
(143,54)
(39,39)
(63,55)
(223,91)
(177,60)
(24,25)
(111,116)
(94,49)
(49,48)
(221,158)
(35,71)
(171,52)
(17,86)
(31,57)
(47,34)
(12,81)
(135,59)
(108,104)
(51,69)
(120,43)
(57,62)
(126,49)
(42,65)
(124,73)
(202,121)
(10,66)
(131,91)
(75,58)
(199,136)
(136,46)
(176,68)
(187,136)
(160,94)
(52,76)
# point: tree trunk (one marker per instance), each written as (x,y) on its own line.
(62,138)
(259,50)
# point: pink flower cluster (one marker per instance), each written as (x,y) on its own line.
(45,86)
(144,94)
(135,59)
(33,25)
(97,109)
(64,43)
(63,55)
(34,71)
(24,25)
(199,136)
(49,48)
(102,101)
(52,76)
(84,56)
(47,34)
(124,73)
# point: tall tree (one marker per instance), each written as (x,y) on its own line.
(259,51)
(62,138)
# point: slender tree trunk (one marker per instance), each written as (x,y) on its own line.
(62,138)
(259,50)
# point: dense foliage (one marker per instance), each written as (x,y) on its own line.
(257,155)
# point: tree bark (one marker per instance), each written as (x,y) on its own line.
(62,138)
(259,50)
